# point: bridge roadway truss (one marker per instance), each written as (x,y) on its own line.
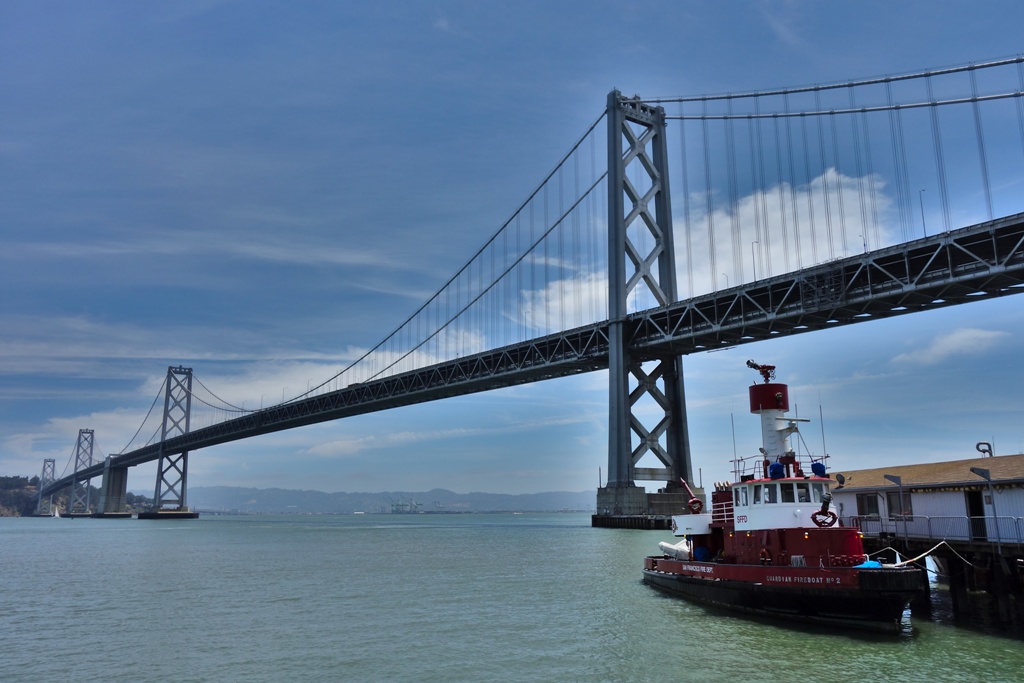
(975,263)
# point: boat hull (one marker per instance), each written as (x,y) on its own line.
(869,599)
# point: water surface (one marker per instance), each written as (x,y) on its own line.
(540,597)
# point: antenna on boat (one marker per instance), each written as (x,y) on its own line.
(821,419)
(735,457)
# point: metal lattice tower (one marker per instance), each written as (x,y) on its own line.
(172,471)
(48,476)
(641,265)
(81,491)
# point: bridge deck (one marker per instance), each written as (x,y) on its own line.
(970,264)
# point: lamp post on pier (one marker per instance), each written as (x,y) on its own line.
(899,484)
(987,476)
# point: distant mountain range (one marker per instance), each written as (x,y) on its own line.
(285,501)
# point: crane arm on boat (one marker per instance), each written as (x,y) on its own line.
(695,505)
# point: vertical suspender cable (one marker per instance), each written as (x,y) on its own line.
(761,192)
(686,202)
(825,189)
(792,188)
(730,160)
(834,123)
(782,195)
(754,185)
(858,169)
(519,279)
(709,209)
(531,300)
(754,191)
(577,248)
(593,292)
(810,191)
(561,255)
(899,162)
(940,164)
(982,157)
(542,295)
(1020,102)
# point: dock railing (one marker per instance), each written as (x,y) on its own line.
(953,528)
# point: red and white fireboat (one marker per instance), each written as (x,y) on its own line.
(771,546)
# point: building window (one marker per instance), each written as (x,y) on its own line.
(867,504)
(892,501)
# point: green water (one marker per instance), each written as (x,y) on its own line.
(407,598)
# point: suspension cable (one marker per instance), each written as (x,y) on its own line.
(834,86)
(453,278)
(163,385)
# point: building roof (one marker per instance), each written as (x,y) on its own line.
(1003,469)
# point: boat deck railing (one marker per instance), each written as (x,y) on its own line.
(941,528)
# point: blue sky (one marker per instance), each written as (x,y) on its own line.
(253,189)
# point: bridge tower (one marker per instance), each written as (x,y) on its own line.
(49,475)
(172,469)
(639,221)
(80,502)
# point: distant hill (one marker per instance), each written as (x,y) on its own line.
(279,501)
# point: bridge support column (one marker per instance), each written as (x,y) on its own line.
(169,498)
(637,150)
(113,492)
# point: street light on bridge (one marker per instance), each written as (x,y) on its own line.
(920,197)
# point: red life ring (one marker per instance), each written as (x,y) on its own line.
(824,519)
(695,505)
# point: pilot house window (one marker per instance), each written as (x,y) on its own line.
(787,493)
(803,494)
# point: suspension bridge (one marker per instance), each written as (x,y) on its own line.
(854,201)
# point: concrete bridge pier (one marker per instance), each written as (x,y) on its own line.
(113,492)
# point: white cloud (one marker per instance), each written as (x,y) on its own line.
(962,341)
(344,447)
(780,229)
